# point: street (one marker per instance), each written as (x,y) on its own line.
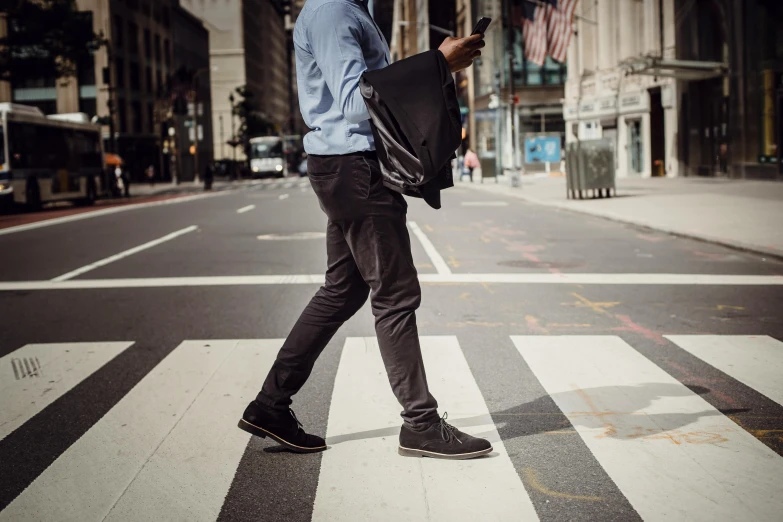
(620,373)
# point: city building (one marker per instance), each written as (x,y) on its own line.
(497,118)
(418,25)
(247,40)
(189,143)
(125,82)
(680,87)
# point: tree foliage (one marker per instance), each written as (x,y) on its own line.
(44,39)
(252,122)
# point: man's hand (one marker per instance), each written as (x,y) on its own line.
(460,52)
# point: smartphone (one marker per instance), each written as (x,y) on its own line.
(481,25)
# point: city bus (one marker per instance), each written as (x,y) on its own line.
(267,156)
(46,159)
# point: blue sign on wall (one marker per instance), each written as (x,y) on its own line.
(542,149)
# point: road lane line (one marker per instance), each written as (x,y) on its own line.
(653,436)
(126,253)
(245,209)
(754,360)
(86,481)
(52,371)
(306,279)
(107,211)
(437,260)
(283,196)
(362,476)
(190,473)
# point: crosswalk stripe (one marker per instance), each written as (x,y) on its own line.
(36,375)
(86,481)
(363,478)
(670,452)
(754,360)
(196,462)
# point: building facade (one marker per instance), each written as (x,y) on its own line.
(130,73)
(679,87)
(247,48)
(499,121)
(189,147)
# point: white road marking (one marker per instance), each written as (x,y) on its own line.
(189,475)
(296,236)
(754,360)
(107,211)
(86,481)
(36,375)
(437,260)
(484,203)
(283,196)
(121,255)
(362,476)
(305,279)
(653,436)
(245,209)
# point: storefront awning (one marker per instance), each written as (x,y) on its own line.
(671,68)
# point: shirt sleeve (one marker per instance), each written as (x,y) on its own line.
(335,34)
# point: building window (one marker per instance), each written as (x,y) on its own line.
(88,106)
(122,114)
(119,72)
(147,44)
(118,32)
(149,79)
(135,80)
(136,109)
(157,48)
(167,53)
(150,118)
(166,16)
(159,82)
(133,37)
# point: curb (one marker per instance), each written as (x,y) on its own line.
(736,245)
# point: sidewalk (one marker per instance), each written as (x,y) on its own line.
(141,189)
(737,213)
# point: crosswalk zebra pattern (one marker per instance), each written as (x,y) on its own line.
(169,448)
(284,183)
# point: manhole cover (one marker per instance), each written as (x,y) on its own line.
(292,237)
(526,263)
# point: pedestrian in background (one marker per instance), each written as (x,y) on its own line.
(368,246)
(471,162)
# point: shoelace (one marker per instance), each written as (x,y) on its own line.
(447,431)
(294,416)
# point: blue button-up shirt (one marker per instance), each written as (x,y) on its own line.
(335,42)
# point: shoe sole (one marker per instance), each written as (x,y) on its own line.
(407,452)
(261,432)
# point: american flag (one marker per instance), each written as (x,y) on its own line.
(559,29)
(534,30)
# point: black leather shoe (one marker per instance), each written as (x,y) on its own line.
(282,426)
(441,440)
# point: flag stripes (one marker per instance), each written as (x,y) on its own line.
(559,29)
(169,449)
(546,28)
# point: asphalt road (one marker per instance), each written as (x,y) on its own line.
(608,395)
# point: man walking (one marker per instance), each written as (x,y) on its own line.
(368,246)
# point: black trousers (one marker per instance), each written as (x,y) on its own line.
(369,252)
